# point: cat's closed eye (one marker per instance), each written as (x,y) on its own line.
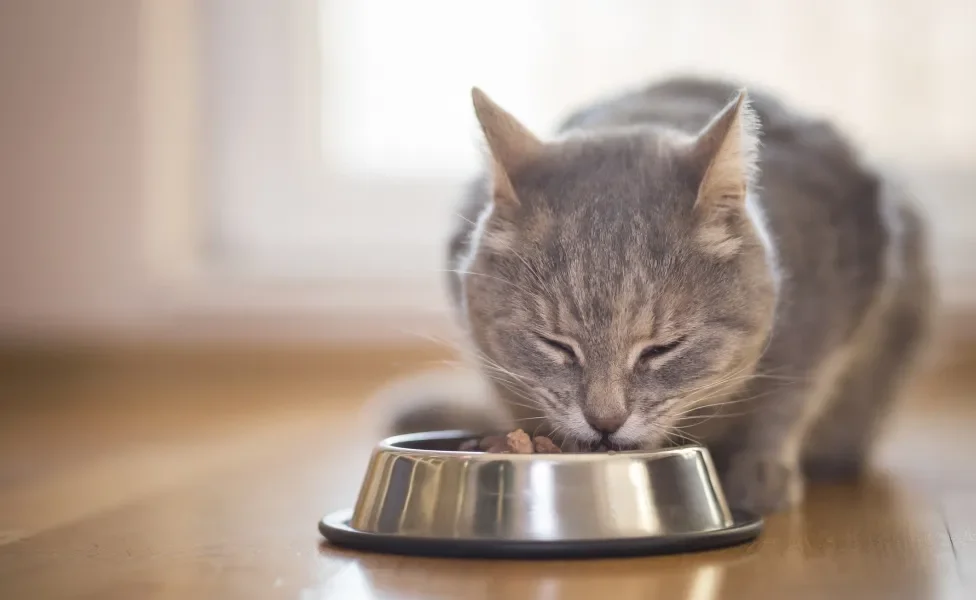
(562,349)
(657,350)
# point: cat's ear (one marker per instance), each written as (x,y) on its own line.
(728,149)
(511,145)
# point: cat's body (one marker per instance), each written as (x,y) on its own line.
(778,313)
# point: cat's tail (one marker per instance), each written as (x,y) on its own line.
(438,400)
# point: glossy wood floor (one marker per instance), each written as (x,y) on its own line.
(176,477)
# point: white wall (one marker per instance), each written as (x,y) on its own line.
(70,255)
(101,218)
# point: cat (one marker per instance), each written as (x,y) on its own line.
(655,274)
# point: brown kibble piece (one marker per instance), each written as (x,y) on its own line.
(544,445)
(519,442)
(515,442)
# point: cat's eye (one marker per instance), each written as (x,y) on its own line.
(658,350)
(562,347)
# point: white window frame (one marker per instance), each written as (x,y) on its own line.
(200,286)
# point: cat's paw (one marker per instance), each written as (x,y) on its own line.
(834,467)
(761,485)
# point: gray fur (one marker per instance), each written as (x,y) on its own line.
(791,353)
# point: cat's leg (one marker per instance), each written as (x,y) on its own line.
(758,454)
(829,416)
(839,443)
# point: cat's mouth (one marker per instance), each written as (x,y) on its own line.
(606,445)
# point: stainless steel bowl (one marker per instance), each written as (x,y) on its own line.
(420,496)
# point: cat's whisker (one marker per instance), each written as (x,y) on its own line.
(691,408)
(495,277)
(667,433)
(506,377)
(558,431)
(734,376)
(543,284)
(780,378)
(465,219)
(446,362)
(671,428)
(487,362)
(722,404)
(519,404)
(534,402)
(696,403)
(537,402)
(514,376)
(696,420)
(727,379)
(692,401)
(452,345)
(518,388)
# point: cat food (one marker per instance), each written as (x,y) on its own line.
(516,442)
(519,442)
(544,445)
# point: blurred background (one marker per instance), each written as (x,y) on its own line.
(222,225)
(253,170)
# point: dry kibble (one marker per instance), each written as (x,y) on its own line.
(515,442)
(519,442)
(544,445)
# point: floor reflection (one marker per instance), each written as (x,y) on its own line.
(883,544)
(803,554)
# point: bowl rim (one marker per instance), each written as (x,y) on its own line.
(337,529)
(391,445)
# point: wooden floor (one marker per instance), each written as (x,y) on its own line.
(168,477)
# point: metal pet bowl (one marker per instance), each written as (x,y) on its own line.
(421,496)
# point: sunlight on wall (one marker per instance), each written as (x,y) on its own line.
(397,75)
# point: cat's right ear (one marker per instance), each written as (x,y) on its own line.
(511,145)
(727,151)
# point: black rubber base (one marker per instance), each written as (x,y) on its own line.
(336,529)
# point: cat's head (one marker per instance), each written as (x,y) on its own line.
(618,276)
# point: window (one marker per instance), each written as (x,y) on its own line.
(341,131)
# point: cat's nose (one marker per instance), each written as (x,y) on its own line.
(607,425)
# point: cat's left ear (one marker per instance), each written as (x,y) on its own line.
(512,147)
(728,149)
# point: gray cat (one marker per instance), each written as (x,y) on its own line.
(654,274)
